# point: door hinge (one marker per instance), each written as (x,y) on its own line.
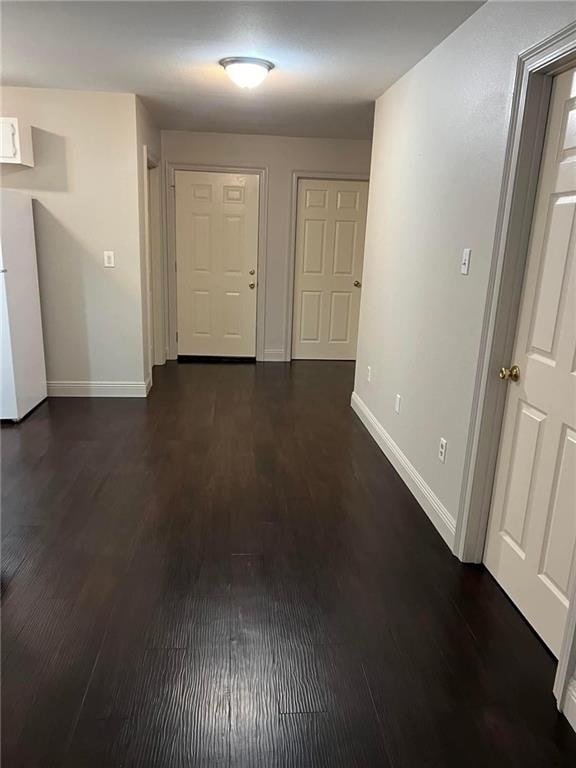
(176,335)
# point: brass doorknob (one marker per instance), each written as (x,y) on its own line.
(357,283)
(512,373)
(252,285)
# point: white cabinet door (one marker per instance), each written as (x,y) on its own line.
(15,142)
(532,535)
(330,230)
(9,144)
(217,263)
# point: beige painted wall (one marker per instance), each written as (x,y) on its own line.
(439,143)
(85,187)
(281,156)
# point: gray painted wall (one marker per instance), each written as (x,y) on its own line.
(437,163)
(85,188)
(281,156)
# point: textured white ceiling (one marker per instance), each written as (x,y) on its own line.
(333,59)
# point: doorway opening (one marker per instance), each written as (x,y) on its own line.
(152,266)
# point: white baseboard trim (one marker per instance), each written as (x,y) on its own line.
(275,356)
(430,503)
(569,707)
(98,388)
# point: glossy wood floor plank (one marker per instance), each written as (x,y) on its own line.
(230,573)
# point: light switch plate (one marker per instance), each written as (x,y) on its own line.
(465,263)
(442,450)
(109,260)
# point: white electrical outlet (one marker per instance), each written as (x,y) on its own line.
(109,258)
(369,374)
(397,403)
(442,450)
(465,262)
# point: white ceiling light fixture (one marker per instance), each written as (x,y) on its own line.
(246,72)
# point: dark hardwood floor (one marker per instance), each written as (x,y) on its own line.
(230,573)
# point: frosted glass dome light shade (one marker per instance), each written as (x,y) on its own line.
(246,72)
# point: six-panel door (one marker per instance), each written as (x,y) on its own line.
(532,535)
(217,263)
(330,230)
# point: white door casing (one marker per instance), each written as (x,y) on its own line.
(158,270)
(217,262)
(531,540)
(330,231)
(149,259)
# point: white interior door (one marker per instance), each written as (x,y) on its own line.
(330,230)
(532,534)
(217,263)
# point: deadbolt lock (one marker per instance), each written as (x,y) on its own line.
(512,374)
(252,272)
(252,286)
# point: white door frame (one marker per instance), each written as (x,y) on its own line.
(291,265)
(148,161)
(158,265)
(532,89)
(170,242)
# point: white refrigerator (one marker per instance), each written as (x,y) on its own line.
(23,374)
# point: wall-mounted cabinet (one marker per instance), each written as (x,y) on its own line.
(15,142)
